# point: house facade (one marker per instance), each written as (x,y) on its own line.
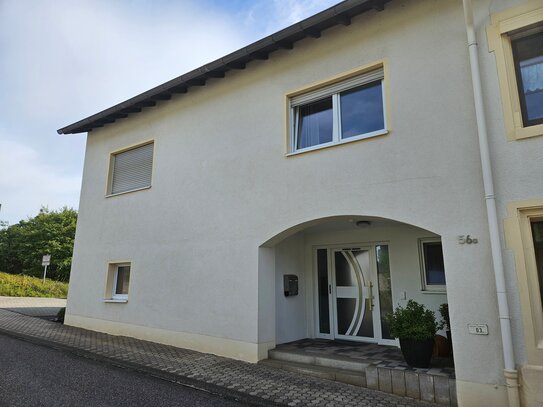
(305,185)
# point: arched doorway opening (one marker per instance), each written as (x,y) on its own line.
(351,271)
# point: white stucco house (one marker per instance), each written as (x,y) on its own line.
(366,150)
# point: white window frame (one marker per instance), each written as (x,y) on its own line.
(113,270)
(334,90)
(438,288)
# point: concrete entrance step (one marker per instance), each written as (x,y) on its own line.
(357,378)
(433,388)
(337,362)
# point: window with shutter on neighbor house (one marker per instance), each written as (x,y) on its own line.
(528,58)
(515,35)
(131,170)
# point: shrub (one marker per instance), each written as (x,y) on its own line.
(412,322)
(445,320)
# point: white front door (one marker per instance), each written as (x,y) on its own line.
(348,294)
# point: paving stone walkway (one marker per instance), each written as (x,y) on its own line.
(251,383)
(35,307)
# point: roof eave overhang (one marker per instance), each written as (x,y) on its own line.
(283,39)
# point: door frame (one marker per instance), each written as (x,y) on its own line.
(371,247)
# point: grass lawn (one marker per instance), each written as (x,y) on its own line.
(14,285)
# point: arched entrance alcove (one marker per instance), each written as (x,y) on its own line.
(350,272)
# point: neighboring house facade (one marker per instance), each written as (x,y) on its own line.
(352,162)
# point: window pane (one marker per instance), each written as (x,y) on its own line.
(322,271)
(362,110)
(315,123)
(385,288)
(123,275)
(433,263)
(528,53)
(537,231)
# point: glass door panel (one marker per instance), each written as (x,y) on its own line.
(323,291)
(385,287)
(353,294)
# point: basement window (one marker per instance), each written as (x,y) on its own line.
(432,265)
(118,280)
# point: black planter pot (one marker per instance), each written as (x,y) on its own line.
(417,353)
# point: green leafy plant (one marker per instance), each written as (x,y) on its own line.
(23,245)
(445,320)
(412,322)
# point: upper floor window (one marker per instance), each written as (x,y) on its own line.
(528,57)
(516,37)
(131,170)
(345,111)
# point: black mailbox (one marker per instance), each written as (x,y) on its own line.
(290,284)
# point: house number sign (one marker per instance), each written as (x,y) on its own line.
(467,239)
(478,329)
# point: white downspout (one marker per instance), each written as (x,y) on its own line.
(510,372)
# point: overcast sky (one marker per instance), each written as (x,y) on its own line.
(63,60)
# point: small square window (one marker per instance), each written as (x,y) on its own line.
(344,111)
(131,170)
(432,265)
(528,58)
(118,281)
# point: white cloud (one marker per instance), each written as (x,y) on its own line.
(292,11)
(62,60)
(270,16)
(76,58)
(43,183)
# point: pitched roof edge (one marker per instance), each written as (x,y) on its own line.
(284,39)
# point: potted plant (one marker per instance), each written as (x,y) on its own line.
(416,328)
(445,323)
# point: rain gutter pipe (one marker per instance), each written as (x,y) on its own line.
(510,371)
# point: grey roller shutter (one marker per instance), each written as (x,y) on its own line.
(350,83)
(132,169)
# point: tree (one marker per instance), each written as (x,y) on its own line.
(50,232)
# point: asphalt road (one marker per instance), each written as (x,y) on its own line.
(33,375)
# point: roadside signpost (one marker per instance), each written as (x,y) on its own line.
(46,260)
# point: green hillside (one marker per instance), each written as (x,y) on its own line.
(16,285)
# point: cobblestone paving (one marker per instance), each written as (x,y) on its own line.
(379,355)
(265,383)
